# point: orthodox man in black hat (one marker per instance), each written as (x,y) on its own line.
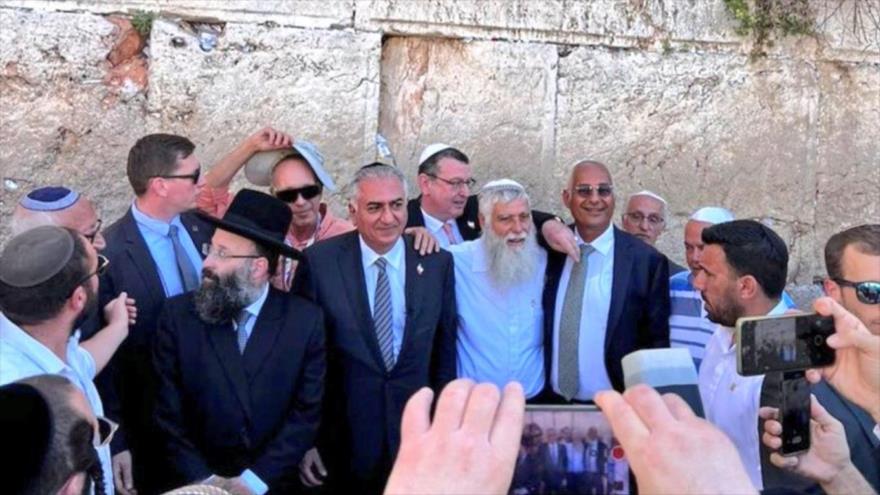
(240,364)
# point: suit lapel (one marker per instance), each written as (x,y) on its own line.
(264,334)
(468,224)
(222,339)
(619,285)
(137,250)
(352,271)
(199,231)
(414,292)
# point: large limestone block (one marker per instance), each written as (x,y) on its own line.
(320,14)
(59,123)
(697,128)
(494,101)
(317,85)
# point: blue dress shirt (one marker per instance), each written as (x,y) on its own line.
(155,234)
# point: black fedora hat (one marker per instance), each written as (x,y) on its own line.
(258,217)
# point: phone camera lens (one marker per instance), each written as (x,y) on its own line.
(818,340)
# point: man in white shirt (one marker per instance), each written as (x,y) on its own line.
(741,273)
(48,281)
(499,279)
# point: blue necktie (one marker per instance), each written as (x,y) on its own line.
(382,315)
(241,330)
(188,275)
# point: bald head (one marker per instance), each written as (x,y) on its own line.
(79,216)
(590,198)
(585,165)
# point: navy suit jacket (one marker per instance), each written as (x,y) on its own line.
(360,430)
(469,221)
(127,385)
(638,317)
(221,412)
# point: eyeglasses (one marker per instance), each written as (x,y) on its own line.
(220,254)
(637,217)
(91,237)
(193,176)
(104,433)
(867,292)
(586,190)
(292,195)
(103,263)
(457,183)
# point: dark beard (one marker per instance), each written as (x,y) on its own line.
(89,312)
(727,315)
(220,299)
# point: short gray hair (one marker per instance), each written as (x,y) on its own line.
(504,192)
(373,171)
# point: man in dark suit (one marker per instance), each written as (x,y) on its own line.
(391,328)
(595,457)
(557,462)
(451,214)
(614,301)
(240,364)
(154,254)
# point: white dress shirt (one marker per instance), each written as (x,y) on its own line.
(730,400)
(435,227)
(575,457)
(593,376)
(500,330)
(22,356)
(396,272)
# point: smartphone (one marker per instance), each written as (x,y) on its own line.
(783,343)
(795,413)
(569,449)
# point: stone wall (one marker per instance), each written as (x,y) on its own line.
(665,92)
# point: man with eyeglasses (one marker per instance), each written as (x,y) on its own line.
(58,205)
(154,254)
(448,210)
(240,363)
(294,171)
(645,218)
(48,281)
(614,301)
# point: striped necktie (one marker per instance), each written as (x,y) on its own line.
(382,314)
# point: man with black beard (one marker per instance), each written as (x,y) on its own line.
(499,279)
(48,281)
(240,364)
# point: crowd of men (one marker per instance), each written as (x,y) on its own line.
(256,342)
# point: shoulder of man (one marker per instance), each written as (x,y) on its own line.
(637,247)
(331,245)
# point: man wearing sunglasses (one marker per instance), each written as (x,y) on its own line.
(48,280)
(154,254)
(295,172)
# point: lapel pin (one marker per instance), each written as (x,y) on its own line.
(419,269)
(471,224)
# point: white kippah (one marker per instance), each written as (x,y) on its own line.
(713,215)
(648,194)
(502,184)
(431,150)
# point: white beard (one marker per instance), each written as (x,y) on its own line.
(510,266)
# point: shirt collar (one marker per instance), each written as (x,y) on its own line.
(431,223)
(394,256)
(255,307)
(148,222)
(13,335)
(728,335)
(604,243)
(779,309)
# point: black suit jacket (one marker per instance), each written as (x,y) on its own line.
(638,317)
(360,432)
(127,385)
(221,412)
(469,221)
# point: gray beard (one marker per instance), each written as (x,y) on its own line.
(509,266)
(220,299)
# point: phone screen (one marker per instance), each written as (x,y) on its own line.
(782,344)
(795,413)
(569,449)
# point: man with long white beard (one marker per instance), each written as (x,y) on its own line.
(499,279)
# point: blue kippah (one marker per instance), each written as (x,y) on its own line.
(51,198)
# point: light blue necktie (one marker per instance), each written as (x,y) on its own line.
(241,334)
(382,315)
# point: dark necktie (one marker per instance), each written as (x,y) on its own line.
(382,314)
(188,275)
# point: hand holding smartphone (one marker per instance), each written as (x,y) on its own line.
(783,343)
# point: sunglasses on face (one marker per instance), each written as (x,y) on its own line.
(866,292)
(193,176)
(292,195)
(104,433)
(586,190)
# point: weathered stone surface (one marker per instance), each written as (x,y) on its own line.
(317,85)
(59,123)
(495,101)
(320,14)
(699,129)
